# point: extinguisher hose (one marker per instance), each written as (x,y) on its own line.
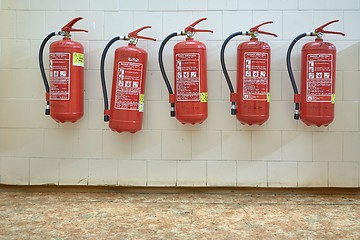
(291,74)
(102,75)
(223,66)
(162,69)
(42,69)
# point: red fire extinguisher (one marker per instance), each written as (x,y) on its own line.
(315,104)
(250,103)
(189,102)
(65,95)
(128,86)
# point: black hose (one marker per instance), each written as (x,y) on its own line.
(223,66)
(162,69)
(42,69)
(291,74)
(102,75)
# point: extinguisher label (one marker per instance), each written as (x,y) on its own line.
(319,84)
(128,87)
(59,76)
(256,79)
(188,77)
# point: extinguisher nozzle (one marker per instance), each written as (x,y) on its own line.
(172,113)
(106,118)
(233,108)
(296,116)
(172,110)
(233,111)
(47,109)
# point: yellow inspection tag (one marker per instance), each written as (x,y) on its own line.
(141,102)
(268,97)
(203,97)
(333,98)
(78,59)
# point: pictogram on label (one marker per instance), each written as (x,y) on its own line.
(255,79)
(319,84)
(128,86)
(188,77)
(59,76)
(78,59)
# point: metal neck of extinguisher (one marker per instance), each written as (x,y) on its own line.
(253,32)
(189,31)
(65,31)
(132,37)
(319,33)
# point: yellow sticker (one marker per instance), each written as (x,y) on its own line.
(268,97)
(203,97)
(78,59)
(333,98)
(141,98)
(141,102)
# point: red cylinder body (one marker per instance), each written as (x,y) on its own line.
(318,83)
(190,77)
(253,82)
(128,87)
(66,80)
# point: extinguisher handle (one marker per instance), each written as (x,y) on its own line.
(191,27)
(69,26)
(256,29)
(321,28)
(134,34)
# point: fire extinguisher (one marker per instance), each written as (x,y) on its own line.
(250,103)
(315,104)
(128,86)
(189,102)
(65,95)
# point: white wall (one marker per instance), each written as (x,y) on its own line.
(220,152)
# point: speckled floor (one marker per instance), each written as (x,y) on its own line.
(60,213)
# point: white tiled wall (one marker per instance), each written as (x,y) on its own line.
(220,152)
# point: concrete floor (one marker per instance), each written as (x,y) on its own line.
(178,213)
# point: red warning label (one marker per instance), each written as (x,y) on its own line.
(188,77)
(255,79)
(128,86)
(319,78)
(59,76)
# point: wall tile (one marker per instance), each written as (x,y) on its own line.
(291,19)
(281,116)
(283,4)
(346,60)
(87,143)
(221,173)
(116,145)
(191,5)
(134,5)
(146,145)
(313,174)
(351,86)
(108,5)
(219,116)
(343,174)
(176,145)
(58,143)
(223,5)
(15,4)
(103,172)
(45,4)
(132,173)
(327,146)
(44,171)
(236,145)
(206,145)
(77,5)
(266,145)
(282,174)
(351,146)
(350,29)
(251,174)
(296,146)
(191,173)
(73,171)
(8,30)
(323,4)
(162,5)
(161,173)
(14,170)
(253,5)
(231,25)
(346,117)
